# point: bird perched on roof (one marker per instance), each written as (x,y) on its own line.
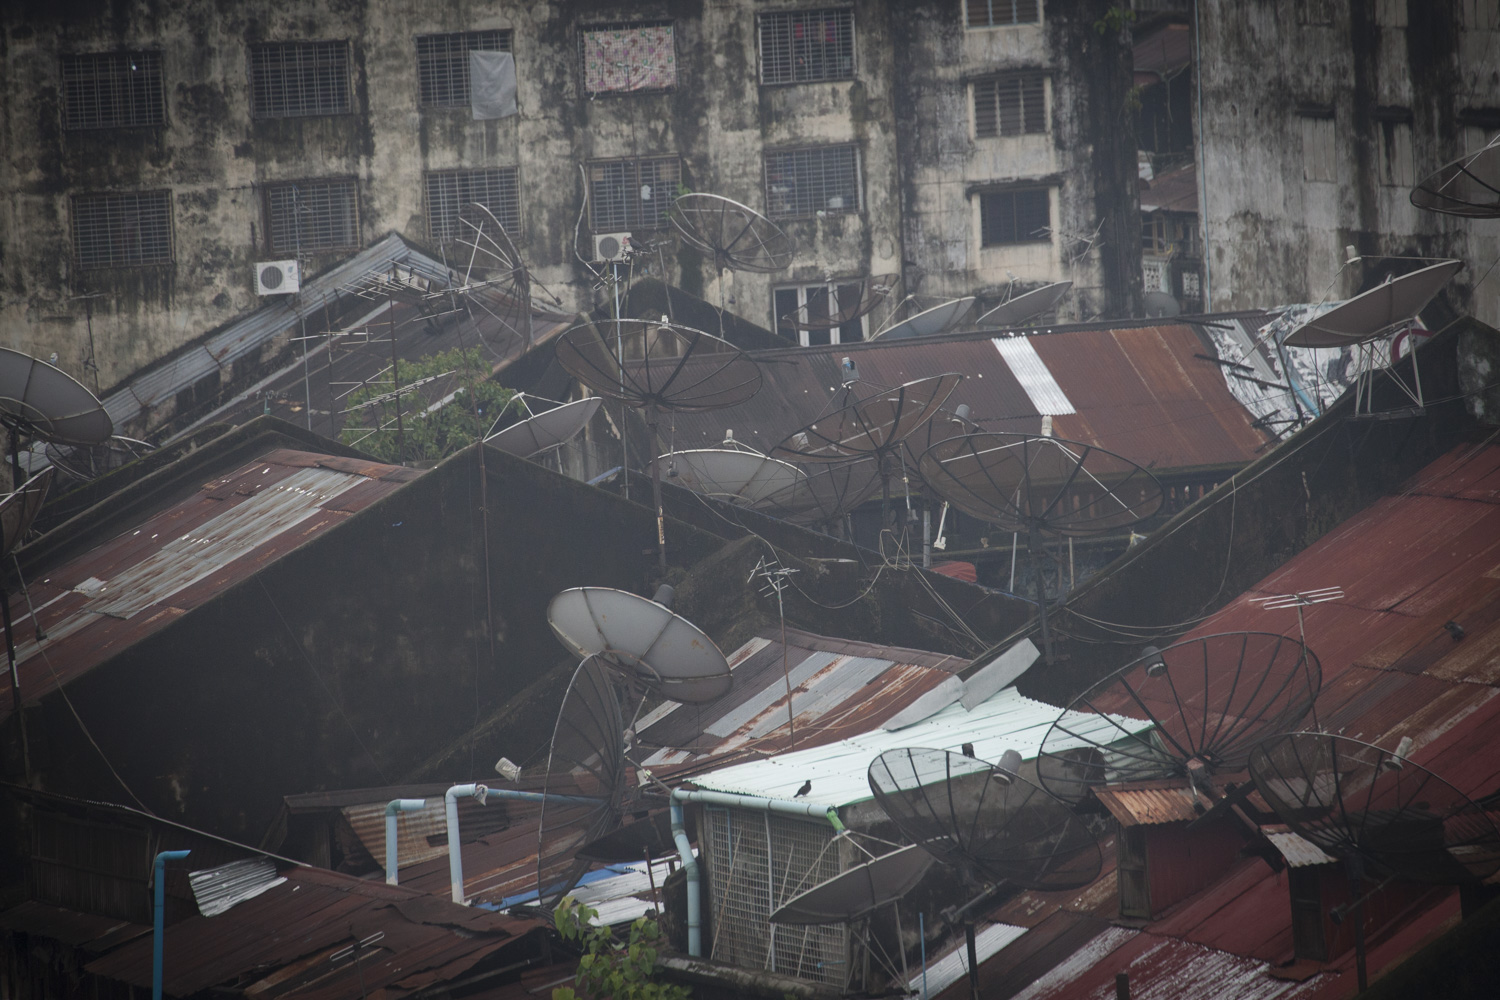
(806,787)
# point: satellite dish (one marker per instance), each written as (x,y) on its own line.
(19,509)
(492,277)
(631,842)
(1014,312)
(85,463)
(1159,305)
(1469,186)
(939,319)
(38,400)
(873,425)
(836,312)
(825,491)
(858,891)
(1209,701)
(586,761)
(945,423)
(1377,312)
(987,822)
(665,652)
(733,473)
(736,237)
(546,430)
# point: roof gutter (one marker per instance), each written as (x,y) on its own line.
(785,807)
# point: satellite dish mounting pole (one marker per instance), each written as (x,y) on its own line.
(15,685)
(1355,869)
(661,525)
(614,270)
(390,312)
(18,476)
(1033,544)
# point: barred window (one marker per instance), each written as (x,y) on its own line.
(1010,105)
(1015,216)
(443,65)
(299,79)
(312,215)
(632,194)
(621,58)
(799,46)
(812,305)
(812,181)
(448,191)
(994,13)
(122,229)
(112,90)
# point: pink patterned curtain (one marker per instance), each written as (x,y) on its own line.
(628,59)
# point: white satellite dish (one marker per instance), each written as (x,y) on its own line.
(858,891)
(1372,314)
(1023,307)
(737,475)
(546,430)
(938,319)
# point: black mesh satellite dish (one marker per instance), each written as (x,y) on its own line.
(40,401)
(585,780)
(543,430)
(491,276)
(1014,312)
(1469,186)
(736,237)
(85,463)
(1194,710)
(826,491)
(845,302)
(873,424)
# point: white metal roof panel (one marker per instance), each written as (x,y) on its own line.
(1034,375)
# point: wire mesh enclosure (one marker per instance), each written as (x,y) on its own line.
(112,90)
(756,862)
(122,229)
(299,79)
(443,65)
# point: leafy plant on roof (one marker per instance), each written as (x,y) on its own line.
(435,406)
(611,969)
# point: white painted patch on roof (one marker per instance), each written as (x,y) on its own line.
(1034,375)
(218,890)
(954,966)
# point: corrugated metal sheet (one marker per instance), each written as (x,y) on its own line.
(146,577)
(945,970)
(1298,852)
(218,890)
(1149,803)
(1032,372)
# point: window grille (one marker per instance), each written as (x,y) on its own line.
(632,195)
(1010,105)
(448,191)
(312,215)
(443,65)
(122,229)
(758,861)
(299,79)
(1015,216)
(112,90)
(995,13)
(811,181)
(621,58)
(801,46)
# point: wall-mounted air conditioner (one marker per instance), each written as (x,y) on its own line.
(611,246)
(277,277)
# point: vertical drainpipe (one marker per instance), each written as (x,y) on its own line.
(391,809)
(159,875)
(1202,155)
(455,853)
(694,890)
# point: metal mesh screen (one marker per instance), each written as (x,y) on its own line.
(312,215)
(632,194)
(810,181)
(992,13)
(1010,105)
(448,191)
(1015,216)
(756,862)
(800,46)
(112,90)
(122,229)
(443,65)
(299,79)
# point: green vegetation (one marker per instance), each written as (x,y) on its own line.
(423,435)
(610,969)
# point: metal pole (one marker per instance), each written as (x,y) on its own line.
(973,959)
(159,874)
(926,539)
(1034,542)
(922,934)
(620,359)
(15,685)
(1354,868)
(390,312)
(661,521)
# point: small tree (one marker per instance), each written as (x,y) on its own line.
(610,969)
(425,433)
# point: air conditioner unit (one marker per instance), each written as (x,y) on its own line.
(611,246)
(277,277)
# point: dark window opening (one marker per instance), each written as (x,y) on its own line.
(112,90)
(802,46)
(1015,217)
(1010,105)
(122,229)
(443,65)
(814,303)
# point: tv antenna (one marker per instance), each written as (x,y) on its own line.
(643,640)
(17,512)
(40,401)
(1377,811)
(1014,311)
(659,366)
(1370,316)
(544,430)
(1191,712)
(1468,187)
(929,322)
(826,308)
(1039,485)
(733,472)
(735,237)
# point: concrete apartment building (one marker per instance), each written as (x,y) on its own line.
(157,149)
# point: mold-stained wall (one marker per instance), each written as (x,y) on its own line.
(1317,120)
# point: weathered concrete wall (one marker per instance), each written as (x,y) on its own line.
(1385,71)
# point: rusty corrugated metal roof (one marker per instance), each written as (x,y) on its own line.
(1297,850)
(1146,803)
(137,583)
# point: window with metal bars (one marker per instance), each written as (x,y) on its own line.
(312,215)
(122,229)
(299,79)
(112,90)
(1010,105)
(448,191)
(1015,216)
(801,46)
(632,194)
(997,13)
(812,305)
(443,65)
(813,181)
(628,58)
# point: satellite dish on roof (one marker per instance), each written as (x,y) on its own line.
(827,308)
(733,472)
(1160,305)
(1377,312)
(546,430)
(491,276)
(1208,701)
(1468,187)
(1014,312)
(38,400)
(826,491)
(873,425)
(641,638)
(85,463)
(858,891)
(929,322)
(735,236)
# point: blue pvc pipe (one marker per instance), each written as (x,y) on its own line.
(391,809)
(159,875)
